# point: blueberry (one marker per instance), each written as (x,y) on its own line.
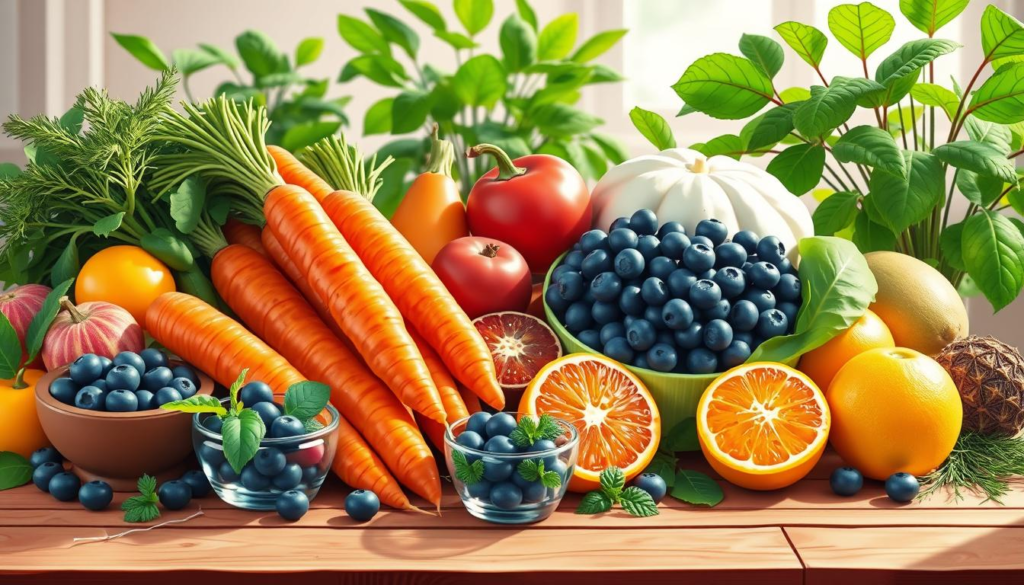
(108,364)
(590,338)
(44,455)
(480,490)
(730,254)
(533,491)
(680,281)
(210,453)
(64,486)
(619,350)
(496,470)
(732,282)
(628,320)
(744,316)
(593,240)
(227,473)
(198,482)
(734,355)
(362,505)
(674,244)
(712,229)
(661,267)
(269,461)
(846,481)
(653,484)
(500,444)
(555,300)
(95,495)
(690,338)
(292,505)
(747,239)
(717,335)
(606,286)
(253,480)
(785,266)
(90,398)
(662,357)
(506,495)
(622,222)
(649,247)
(542,445)
(85,369)
(719,311)
(156,378)
(254,392)
(744,336)
(501,424)
(268,411)
(764,275)
(102,385)
(310,474)
(653,316)
(124,377)
(698,258)
(213,423)
(185,372)
(629,263)
(701,361)
(130,358)
(604,313)
(611,331)
(477,423)
(622,239)
(788,288)
(578,317)
(153,358)
(654,292)
(640,334)
(631,302)
(705,294)
(595,263)
(677,314)
(289,478)
(770,249)
(790,310)
(644,222)
(574,259)
(772,323)
(670,227)
(703,240)
(470,439)
(64,390)
(900,487)
(165,395)
(121,401)
(286,426)
(559,271)
(762,299)
(42,475)
(146,401)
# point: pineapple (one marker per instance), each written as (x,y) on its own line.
(990,377)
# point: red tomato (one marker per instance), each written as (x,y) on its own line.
(538,203)
(484,275)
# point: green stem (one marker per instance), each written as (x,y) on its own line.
(931,79)
(506,168)
(836,176)
(442,155)
(913,122)
(903,130)
(957,122)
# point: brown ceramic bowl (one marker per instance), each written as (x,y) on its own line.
(117,447)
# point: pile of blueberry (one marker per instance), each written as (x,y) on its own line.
(660,299)
(128,383)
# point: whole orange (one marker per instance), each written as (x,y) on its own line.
(868,332)
(894,409)
(20,431)
(126,276)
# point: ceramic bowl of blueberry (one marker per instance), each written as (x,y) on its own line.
(103,415)
(511,468)
(677,308)
(289,457)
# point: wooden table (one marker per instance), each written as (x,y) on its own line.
(803,534)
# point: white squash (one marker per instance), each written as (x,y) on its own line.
(683,185)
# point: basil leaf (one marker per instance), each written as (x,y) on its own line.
(951,243)
(653,127)
(694,487)
(361,36)
(260,54)
(242,434)
(408,111)
(426,12)
(189,61)
(869,235)
(308,51)
(598,45)
(300,136)
(306,400)
(15,470)
(518,43)
(67,265)
(144,50)
(377,119)
(395,31)
(168,248)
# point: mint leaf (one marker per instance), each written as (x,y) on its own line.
(15,470)
(140,509)
(312,425)
(637,502)
(694,487)
(548,428)
(44,318)
(235,387)
(531,469)
(612,482)
(594,503)
(306,399)
(197,403)
(550,479)
(147,485)
(525,433)
(242,434)
(468,473)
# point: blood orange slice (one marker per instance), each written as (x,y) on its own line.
(520,344)
(617,419)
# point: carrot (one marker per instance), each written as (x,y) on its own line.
(217,345)
(278,314)
(356,301)
(446,387)
(295,173)
(243,233)
(471,400)
(418,293)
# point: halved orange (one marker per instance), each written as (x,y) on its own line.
(617,419)
(763,426)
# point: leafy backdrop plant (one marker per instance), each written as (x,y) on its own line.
(892,182)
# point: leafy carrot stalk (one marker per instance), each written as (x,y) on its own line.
(245,234)
(276,312)
(454,406)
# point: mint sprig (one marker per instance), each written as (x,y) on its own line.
(533,470)
(530,430)
(466,472)
(142,508)
(635,501)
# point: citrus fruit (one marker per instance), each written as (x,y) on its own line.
(520,344)
(126,276)
(20,430)
(617,419)
(868,332)
(922,309)
(894,410)
(763,426)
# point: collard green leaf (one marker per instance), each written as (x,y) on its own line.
(362,36)
(931,94)
(694,487)
(395,31)
(426,12)
(979,189)
(931,15)
(799,167)
(769,128)
(10,349)
(835,213)
(480,81)
(242,434)
(378,117)
(979,157)
(724,86)
(993,254)
(108,225)
(306,400)
(260,54)
(558,37)
(410,110)
(808,42)
(763,52)
(653,127)
(1001,98)
(598,45)
(15,470)
(474,15)
(187,202)
(829,107)
(308,51)
(861,28)
(518,44)
(594,503)
(951,244)
(905,200)
(42,320)
(144,50)
(871,146)
(1001,34)
(637,502)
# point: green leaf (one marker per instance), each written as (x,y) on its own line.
(905,200)
(799,167)
(378,117)
(518,44)
(300,136)
(726,145)
(67,265)
(835,213)
(308,51)
(871,146)
(808,42)
(395,31)
(724,86)
(141,513)
(235,387)
(260,54)
(613,480)
(763,52)
(222,56)
(187,202)
(861,28)
(595,502)
(558,37)
(108,225)
(362,36)
(931,15)
(979,157)
(40,324)
(561,120)
(612,147)
(951,244)
(168,248)
(306,400)
(664,465)
(993,253)
(694,487)
(474,15)
(426,12)
(1001,34)
(795,94)
(769,128)
(10,349)
(456,40)
(1001,98)
(466,472)
(637,502)
(189,61)
(682,436)
(930,94)
(837,288)
(312,425)
(870,236)
(9,171)
(147,486)
(377,68)
(530,469)
(526,13)
(597,45)
(409,111)
(997,135)
(197,403)
(829,107)
(653,127)
(242,433)
(910,58)
(15,470)
(480,81)
(144,50)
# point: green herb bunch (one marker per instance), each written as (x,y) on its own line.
(143,507)
(298,105)
(521,100)
(979,464)
(888,180)
(635,501)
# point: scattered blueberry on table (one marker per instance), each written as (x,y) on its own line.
(902,487)
(846,481)
(362,505)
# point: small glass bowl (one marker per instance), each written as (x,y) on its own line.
(476,497)
(312,452)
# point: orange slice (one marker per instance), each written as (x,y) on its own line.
(763,426)
(617,420)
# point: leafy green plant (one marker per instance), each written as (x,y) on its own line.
(143,507)
(979,464)
(613,490)
(889,186)
(522,100)
(297,104)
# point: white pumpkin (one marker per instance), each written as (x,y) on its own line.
(683,185)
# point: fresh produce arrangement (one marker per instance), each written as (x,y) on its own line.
(128,383)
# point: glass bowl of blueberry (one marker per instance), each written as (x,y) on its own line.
(511,468)
(676,308)
(295,454)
